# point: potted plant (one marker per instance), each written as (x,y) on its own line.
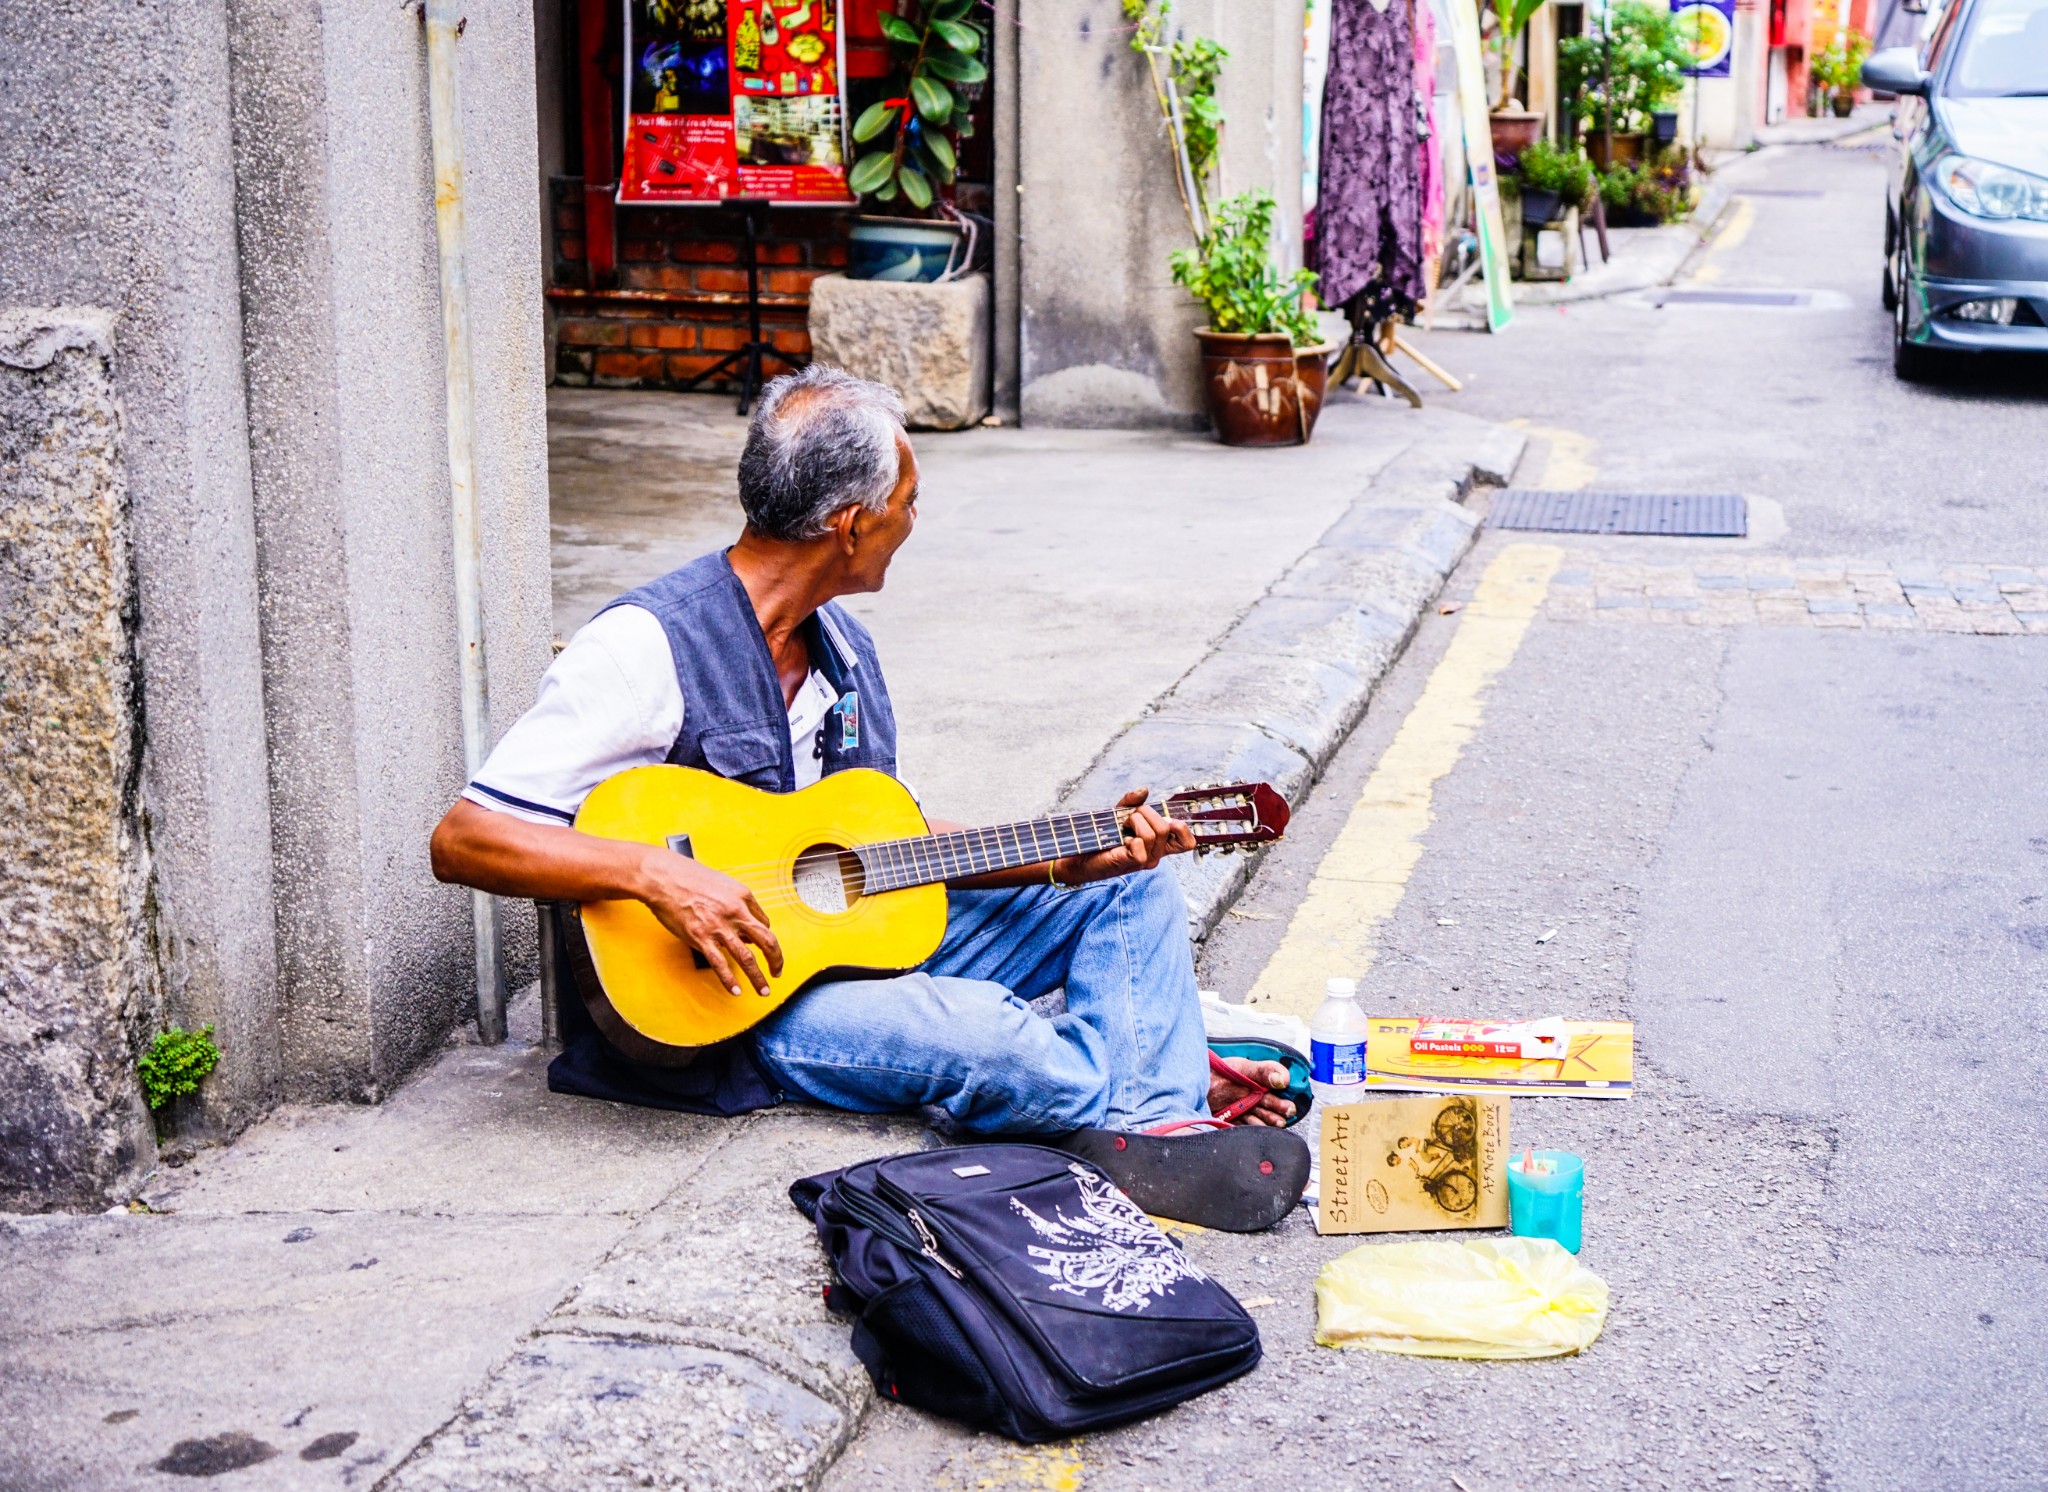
(1552,178)
(1264,361)
(1838,69)
(1648,193)
(937,73)
(1514,129)
(1619,79)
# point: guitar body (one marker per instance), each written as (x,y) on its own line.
(788,848)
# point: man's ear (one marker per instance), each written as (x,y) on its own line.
(845,525)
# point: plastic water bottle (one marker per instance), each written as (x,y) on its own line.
(1336,1045)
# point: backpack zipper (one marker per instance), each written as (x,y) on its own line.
(931,1245)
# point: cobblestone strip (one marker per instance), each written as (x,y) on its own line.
(1875,596)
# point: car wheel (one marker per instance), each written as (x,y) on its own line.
(1910,362)
(1891,240)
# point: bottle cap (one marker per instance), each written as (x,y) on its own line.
(1341,989)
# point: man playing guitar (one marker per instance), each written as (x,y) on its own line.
(741,664)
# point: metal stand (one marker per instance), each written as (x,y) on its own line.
(750,353)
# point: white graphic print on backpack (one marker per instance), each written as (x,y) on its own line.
(1112,1251)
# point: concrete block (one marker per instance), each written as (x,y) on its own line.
(603,1411)
(73,965)
(1302,702)
(1357,635)
(928,342)
(1168,755)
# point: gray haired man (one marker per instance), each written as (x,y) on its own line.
(742,663)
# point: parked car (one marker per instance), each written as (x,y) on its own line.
(1966,213)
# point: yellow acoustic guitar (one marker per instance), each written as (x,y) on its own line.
(849,873)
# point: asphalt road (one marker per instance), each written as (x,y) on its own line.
(1777,802)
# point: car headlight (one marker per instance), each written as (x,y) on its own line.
(1988,191)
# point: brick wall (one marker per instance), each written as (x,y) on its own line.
(680,301)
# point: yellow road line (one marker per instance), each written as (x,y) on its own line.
(1568,463)
(1364,873)
(1739,223)
(1038,1468)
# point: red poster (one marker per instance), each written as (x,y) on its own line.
(734,98)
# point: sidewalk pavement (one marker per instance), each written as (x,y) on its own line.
(480,1284)
(1645,258)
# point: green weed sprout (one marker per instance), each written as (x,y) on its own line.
(176,1063)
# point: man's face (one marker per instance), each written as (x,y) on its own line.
(879,535)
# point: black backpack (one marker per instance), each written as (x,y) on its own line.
(1014,1288)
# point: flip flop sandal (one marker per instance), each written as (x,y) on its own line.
(1237,1178)
(1257,1049)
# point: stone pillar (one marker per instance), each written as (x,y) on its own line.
(148,234)
(342,338)
(73,985)
(1106,335)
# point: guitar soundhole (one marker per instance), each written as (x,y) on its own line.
(829,878)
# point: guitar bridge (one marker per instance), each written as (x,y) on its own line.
(680,844)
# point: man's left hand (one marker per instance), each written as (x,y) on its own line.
(1151,838)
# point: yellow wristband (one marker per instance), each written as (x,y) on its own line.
(1051,879)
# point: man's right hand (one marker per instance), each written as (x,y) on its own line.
(713,913)
(511,856)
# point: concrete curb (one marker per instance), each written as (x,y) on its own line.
(1283,687)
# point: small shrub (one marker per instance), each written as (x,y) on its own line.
(176,1063)
(1660,188)
(1231,271)
(1837,68)
(1637,70)
(1545,167)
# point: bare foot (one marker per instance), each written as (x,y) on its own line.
(1259,1077)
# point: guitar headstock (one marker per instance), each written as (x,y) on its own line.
(1231,816)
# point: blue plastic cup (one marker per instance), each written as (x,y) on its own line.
(1550,1206)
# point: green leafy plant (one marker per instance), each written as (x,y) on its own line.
(1230,270)
(1184,74)
(1545,167)
(1837,68)
(1632,73)
(1511,19)
(938,64)
(176,1063)
(1661,188)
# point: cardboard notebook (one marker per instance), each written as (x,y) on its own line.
(1601,1064)
(1397,1165)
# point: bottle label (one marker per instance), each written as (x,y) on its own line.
(1338,1062)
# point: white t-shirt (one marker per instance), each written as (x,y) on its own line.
(611,701)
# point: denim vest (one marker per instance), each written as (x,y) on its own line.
(736,725)
(734,720)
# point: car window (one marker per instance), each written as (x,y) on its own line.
(2003,52)
(1937,40)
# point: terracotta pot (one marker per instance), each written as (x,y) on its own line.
(1513,133)
(1263,390)
(1628,149)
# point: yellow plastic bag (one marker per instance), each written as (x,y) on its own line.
(1491,1297)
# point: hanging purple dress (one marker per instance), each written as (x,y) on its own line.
(1368,228)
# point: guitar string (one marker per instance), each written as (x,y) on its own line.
(1052,823)
(735,871)
(783,892)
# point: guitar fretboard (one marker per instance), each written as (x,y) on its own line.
(892,864)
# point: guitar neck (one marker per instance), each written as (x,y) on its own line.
(892,864)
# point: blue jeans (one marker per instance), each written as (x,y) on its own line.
(958,1034)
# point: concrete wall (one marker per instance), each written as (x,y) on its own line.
(73,979)
(1105,335)
(245,185)
(342,335)
(119,182)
